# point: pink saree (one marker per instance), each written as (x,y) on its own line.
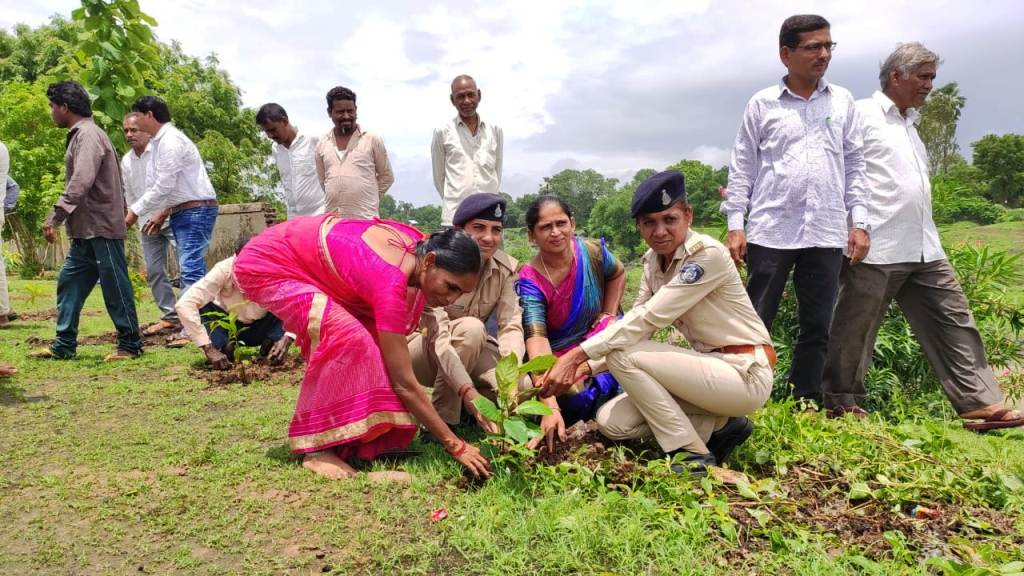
(334,293)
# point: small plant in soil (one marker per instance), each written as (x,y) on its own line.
(513,408)
(229,322)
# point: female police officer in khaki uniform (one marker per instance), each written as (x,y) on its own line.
(680,395)
(454,354)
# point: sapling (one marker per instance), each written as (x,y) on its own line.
(229,322)
(511,412)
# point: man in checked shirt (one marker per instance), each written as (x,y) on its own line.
(797,175)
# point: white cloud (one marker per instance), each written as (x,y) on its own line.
(606,84)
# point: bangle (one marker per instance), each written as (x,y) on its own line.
(458,451)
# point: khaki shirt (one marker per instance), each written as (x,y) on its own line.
(353,179)
(700,293)
(92,205)
(494,290)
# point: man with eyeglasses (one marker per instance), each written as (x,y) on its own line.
(797,178)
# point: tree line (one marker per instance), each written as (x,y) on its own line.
(109,46)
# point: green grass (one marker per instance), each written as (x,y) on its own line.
(141,467)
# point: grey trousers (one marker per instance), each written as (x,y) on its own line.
(934,304)
(154,252)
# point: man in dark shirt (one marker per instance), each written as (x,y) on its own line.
(92,210)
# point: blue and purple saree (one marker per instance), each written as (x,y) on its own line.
(565,315)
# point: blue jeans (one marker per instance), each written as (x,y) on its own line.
(254,334)
(89,260)
(193,229)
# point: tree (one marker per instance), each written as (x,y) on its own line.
(612,221)
(515,214)
(1001,160)
(581,189)
(937,127)
(116,52)
(702,185)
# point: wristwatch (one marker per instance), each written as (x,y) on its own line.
(863,226)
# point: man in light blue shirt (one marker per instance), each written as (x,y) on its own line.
(797,176)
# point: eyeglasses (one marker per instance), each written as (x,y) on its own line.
(816,47)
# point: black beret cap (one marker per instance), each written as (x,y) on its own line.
(658,193)
(485,206)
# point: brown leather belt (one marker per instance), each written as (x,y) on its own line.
(769,351)
(193,204)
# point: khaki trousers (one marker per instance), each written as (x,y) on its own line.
(681,396)
(478,354)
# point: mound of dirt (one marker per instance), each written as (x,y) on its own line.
(258,370)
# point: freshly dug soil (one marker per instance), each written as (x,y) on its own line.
(108,339)
(50,314)
(258,370)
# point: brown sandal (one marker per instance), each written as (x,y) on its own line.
(995,421)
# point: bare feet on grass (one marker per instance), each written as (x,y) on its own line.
(328,464)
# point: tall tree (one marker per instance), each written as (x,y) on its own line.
(611,220)
(937,127)
(116,52)
(702,185)
(1001,160)
(581,189)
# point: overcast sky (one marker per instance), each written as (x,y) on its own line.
(614,86)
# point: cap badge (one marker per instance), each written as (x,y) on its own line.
(665,198)
(497,211)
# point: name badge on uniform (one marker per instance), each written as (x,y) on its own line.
(690,273)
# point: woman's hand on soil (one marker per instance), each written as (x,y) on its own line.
(216,358)
(474,461)
(550,426)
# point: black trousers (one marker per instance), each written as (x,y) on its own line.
(816,283)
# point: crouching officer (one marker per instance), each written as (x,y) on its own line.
(454,354)
(694,401)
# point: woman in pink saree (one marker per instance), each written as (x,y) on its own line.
(351,291)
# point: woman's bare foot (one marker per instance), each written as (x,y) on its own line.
(988,411)
(327,463)
(390,476)
(7,369)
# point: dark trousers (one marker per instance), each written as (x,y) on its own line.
(254,334)
(87,261)
(938,313)
(816,282)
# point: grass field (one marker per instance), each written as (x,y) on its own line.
(143,467)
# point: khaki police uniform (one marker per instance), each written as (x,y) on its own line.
(682,395)
(453,349)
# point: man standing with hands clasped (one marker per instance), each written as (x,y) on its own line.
(797,175)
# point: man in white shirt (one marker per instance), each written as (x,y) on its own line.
(217,295)
(466,152)
(907,262)
(294,154)
(797,175)
(177,186)
(154,246)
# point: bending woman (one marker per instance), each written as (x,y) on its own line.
(569,291)
(352,290)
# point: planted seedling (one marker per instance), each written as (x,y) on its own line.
(511,412)
(229,322)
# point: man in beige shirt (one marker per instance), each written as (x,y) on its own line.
(217,295)
(455,355)
(352,165)
(680,395)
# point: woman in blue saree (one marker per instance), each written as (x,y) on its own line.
(569,290)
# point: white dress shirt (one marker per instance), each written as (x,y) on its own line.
(303,195)
(175,174)
(900,211)
(133,171)
(465,163)
(798,168)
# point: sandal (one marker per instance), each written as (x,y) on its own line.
(855,411)
(995,421)
(120,355)
(160,327)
